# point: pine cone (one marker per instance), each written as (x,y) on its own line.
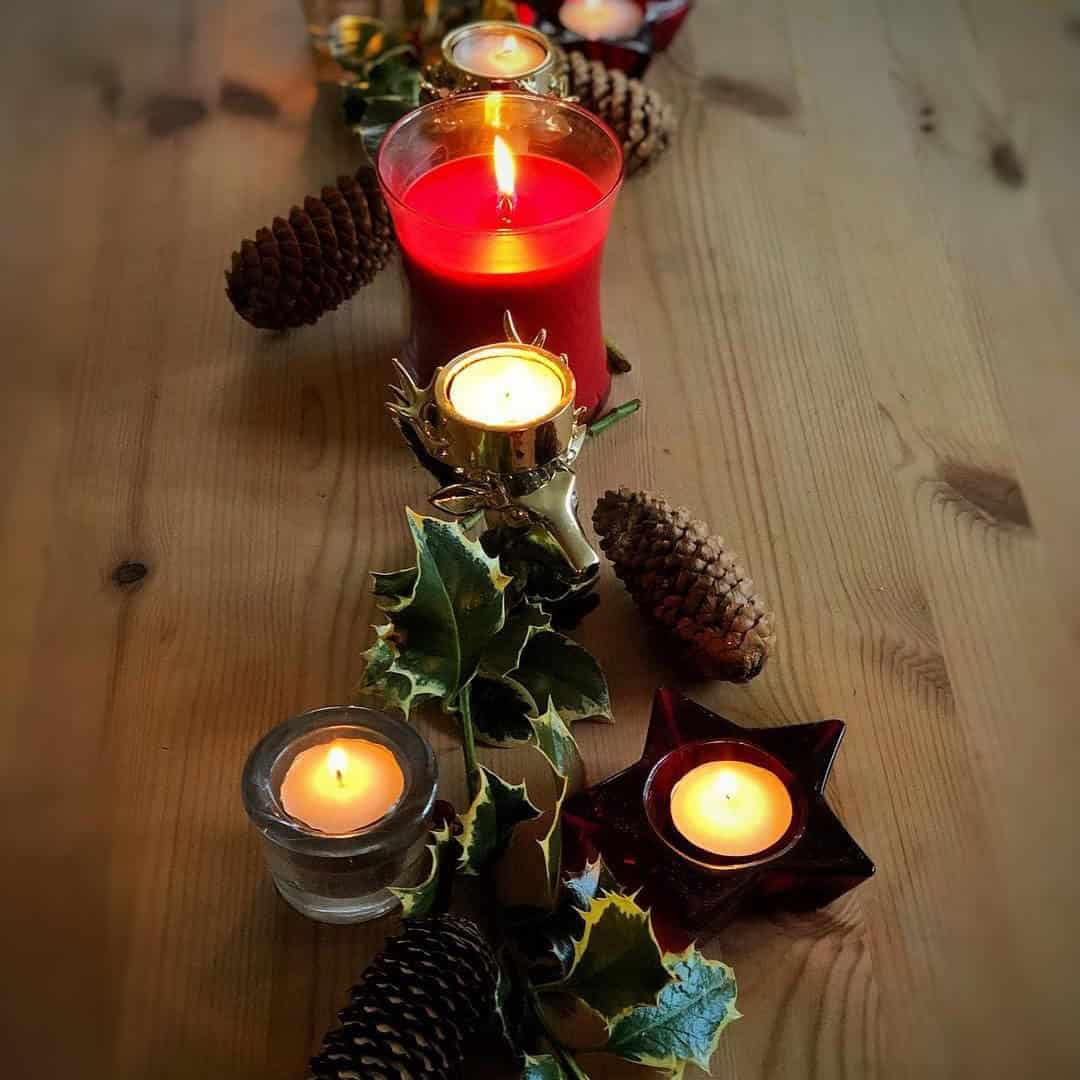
(687,581)
(417,1004)
(296,270)
(640,118)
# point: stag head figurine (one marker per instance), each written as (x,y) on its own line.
(520,476)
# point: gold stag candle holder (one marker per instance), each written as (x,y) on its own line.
(499,430)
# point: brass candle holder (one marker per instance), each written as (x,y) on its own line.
(494,55)
(518,473)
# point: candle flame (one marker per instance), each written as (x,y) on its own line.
(504,168)
(509,46)
(725,785)
(337,761)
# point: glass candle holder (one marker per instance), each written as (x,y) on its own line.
(330,875)
(528,238)
(495,55)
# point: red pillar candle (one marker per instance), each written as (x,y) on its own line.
(522,230)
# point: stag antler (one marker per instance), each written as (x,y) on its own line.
(413,409)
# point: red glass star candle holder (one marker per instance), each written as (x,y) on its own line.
(716,818)
(502,201)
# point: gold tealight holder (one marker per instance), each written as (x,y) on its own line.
(494,55)
(498,428)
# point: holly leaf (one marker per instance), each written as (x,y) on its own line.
(488,822)
(439,627)
(552,666)
(392,590)
(395,690)
(593,881)
(554,740)
(617,962)
(421,899)
(687,1019)
(503,654)
(544,1067)
(501,710)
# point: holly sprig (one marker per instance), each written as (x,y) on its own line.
(585,982)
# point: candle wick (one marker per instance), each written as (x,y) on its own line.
(340,778)
(504,208)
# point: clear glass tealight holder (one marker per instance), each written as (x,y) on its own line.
(341,877)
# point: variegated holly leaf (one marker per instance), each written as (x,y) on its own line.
(488,822)
(552,666)
(554,740)
(393,589)
(544,1067)
(501,710)
(395,690)
(687,1019)
(617,962)
(503,654)
(443,851)
(441,625)
(595,880)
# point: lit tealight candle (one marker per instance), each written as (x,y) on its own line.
(509,389)
(341,786)
(731,808)
(498,53)
(596,19)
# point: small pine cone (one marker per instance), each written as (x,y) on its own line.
(299,268)
(424,995)
(640,118)
(687,581)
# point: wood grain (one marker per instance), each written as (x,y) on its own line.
(850,295)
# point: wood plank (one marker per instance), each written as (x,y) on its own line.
(855,342)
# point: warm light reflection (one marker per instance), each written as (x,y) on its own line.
(504,168)
(493,109)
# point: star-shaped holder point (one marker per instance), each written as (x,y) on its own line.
(627,821)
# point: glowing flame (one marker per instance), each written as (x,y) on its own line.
(725,785)
(504,168)
(508,48)
(337,761)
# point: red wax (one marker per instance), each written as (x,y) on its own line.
(466,266)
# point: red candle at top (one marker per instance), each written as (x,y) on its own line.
(499,230)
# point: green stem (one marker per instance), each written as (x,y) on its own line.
(468,743)
(627,408)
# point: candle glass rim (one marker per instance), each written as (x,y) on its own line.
(660,783)
(397,829)
(524,96)
(553,361)
(484,26)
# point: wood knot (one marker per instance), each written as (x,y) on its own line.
(1007,165)
(243,100)
(996,496)
(129,573)
(748,97)
(168,113)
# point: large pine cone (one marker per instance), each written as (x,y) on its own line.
(299,268)
(686,580)
(428,990)
(640,118)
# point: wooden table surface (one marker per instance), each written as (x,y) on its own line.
(850,292)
